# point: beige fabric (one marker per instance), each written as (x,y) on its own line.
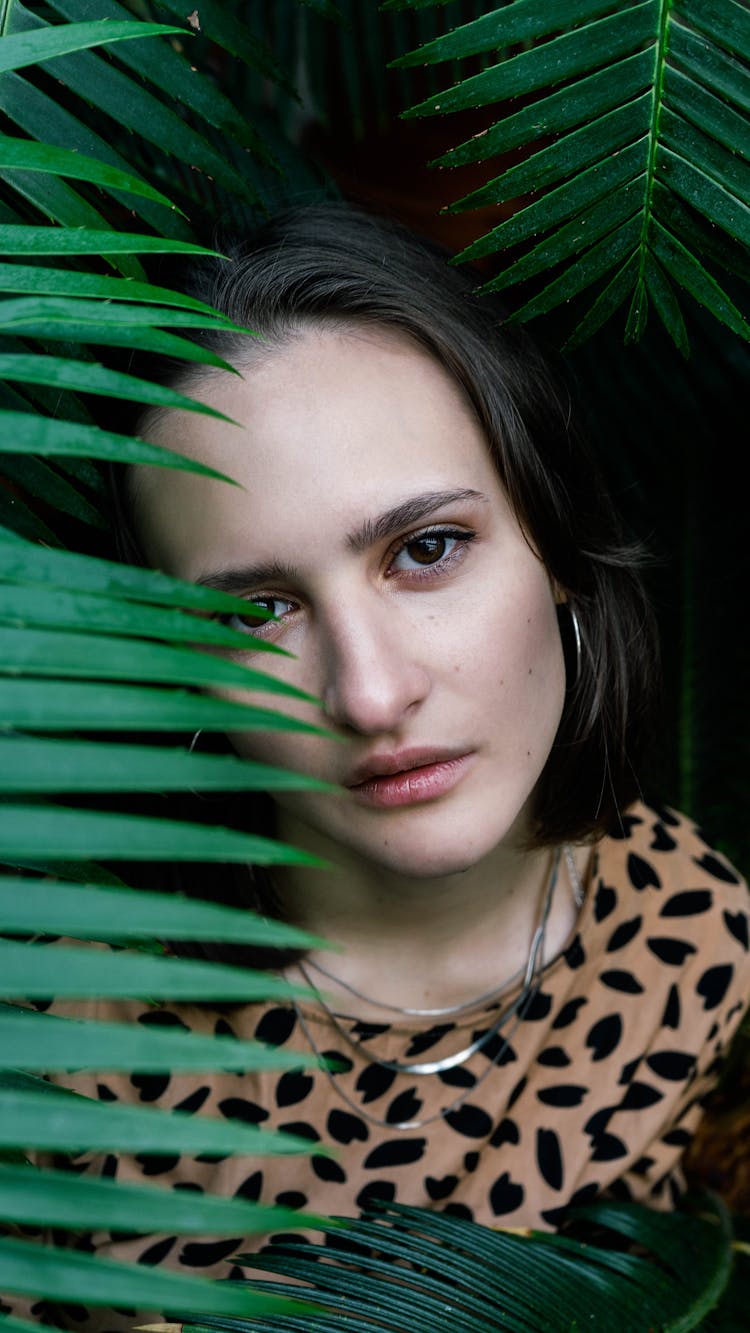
(599,1090)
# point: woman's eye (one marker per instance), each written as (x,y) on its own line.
(429,548)
(248,622)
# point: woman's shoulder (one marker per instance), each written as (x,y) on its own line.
(666,859)
(669,912)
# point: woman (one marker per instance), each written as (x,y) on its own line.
(539,972)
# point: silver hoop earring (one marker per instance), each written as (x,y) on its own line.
(577,636)
(200,795)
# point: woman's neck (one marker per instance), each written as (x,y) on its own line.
(431,942)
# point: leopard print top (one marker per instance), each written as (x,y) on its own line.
(599,1088)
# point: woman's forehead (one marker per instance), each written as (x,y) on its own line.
(333,428)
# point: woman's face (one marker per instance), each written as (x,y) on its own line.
(372,523)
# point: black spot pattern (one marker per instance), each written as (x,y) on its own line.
(426,1040)
(692,902)
(607,1148)
(604,1036)
(194,1101)
(575,955)
(293,1087)
(639,1096)
(719,869)
(156,1253)
(326,1168)
(624,934)
(605,902)
(374,1082)
(157,1164)
(672,1010)
(549,1157)
(251,1187)
(538,1009)
(291,1199)
(276,1027)
(714,984)
(394,1152)
(470,1120)
(662,841)
(670,951)
(198,1254)
(737,925)
(347,1128)
(641,873)
(615,979)
(562,1094)
(569,1012)
(384,1190)
(506,1195)
(150,1086)
(506,1132)
(593,1091)
(440,1189)
(554,1057)
(675,1065)
(458,1077)
(239,1108)
(406,1106)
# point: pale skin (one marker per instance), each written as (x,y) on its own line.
(372,522)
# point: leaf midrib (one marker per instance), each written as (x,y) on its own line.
(660,65)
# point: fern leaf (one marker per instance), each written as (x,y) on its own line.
(643,97)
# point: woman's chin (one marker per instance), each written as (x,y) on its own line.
(425,859)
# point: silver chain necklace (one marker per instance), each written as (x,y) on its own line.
(444,1110)
(516,1010)
(453,1010)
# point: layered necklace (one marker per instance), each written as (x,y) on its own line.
(512,1014)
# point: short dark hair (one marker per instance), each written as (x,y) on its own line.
(332,264)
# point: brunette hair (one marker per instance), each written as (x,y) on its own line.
(333,265)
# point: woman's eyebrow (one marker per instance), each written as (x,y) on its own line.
(402,515)
(238,580)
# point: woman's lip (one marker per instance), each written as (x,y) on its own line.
(414,785)
(398,761)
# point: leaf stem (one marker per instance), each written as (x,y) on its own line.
(5,8)
(660,61)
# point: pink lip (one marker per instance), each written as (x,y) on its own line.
(408,778)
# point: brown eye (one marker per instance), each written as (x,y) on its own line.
(426,550)
(441,549)
(251,623)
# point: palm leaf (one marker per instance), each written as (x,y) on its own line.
(31,1199)
(99,912)
(86,641)
(650,111)
(58,1120)
(69,1275)
(407,1269)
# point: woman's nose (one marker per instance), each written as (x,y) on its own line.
(373,678)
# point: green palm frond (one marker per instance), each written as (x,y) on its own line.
(403,1270)
(66,684)
(115,151)
(74,1276)
(88,177)
(636,114)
